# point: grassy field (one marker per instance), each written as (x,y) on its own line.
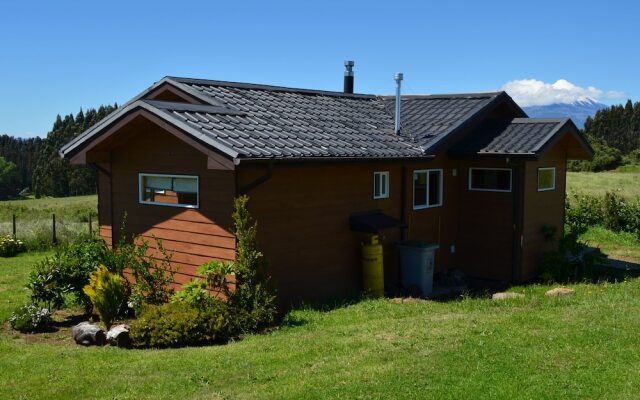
(580,347)
(617,245)
(625,180)
(33,218)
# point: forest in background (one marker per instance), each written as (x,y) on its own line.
(33,165)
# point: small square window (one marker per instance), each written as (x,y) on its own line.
(381,185)
(546,179)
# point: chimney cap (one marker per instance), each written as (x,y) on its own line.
(349,63)
(398,76)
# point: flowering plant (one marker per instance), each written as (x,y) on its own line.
(10,246)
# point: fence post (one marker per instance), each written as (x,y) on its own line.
(53,219)
(90,227)
(14,226)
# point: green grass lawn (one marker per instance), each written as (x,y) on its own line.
(618,245)
(625,179)
(34,218)
(13,276)
(580,347)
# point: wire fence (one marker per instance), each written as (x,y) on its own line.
(42,233)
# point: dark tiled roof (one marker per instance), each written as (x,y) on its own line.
(285,122)
(428,118)
(259,121)
(516,136)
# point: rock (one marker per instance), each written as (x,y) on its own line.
(559,292)
(119,336)
(88,334)
(507,295)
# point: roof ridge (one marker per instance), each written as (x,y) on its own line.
(259,86)
(446,95)
(539,120)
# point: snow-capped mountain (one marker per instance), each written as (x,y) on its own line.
(578,111)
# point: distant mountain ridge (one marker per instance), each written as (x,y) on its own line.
(578,111)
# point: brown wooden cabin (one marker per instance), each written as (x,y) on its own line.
(468,171)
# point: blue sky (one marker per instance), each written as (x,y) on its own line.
(59,56)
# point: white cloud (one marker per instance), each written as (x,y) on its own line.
(532,92)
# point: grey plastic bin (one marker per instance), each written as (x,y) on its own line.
(416,266)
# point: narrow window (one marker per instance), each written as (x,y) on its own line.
(546,179)
(490,179)
(169,190)
(381,185)
(427,188)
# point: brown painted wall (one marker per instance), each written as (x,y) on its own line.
(194,236)
(542,208)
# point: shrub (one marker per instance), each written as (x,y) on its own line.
(604,158)
(151,277)
(106,292)
(68,271)
(194,294)
(178,324)
(583,211)
(10,247)
(252,302)
(30,318)
(572,262)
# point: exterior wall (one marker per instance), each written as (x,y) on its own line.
(542,208)
(485,225)
(194,236)
(303,225)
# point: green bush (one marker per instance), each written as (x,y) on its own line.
(611,211)
(573,262)
(583,211)
(194,294)
(252,302)
(10,247)
(151,277)
(106,292)
(30,318)
(178,324)
(604,158)
(67,271)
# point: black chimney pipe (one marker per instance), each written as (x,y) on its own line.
(348,77)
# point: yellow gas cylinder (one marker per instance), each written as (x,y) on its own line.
(372,267)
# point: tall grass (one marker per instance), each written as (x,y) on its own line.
(34,219)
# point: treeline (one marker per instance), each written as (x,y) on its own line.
(614,134)
(34,165)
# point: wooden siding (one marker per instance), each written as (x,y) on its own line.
(542,208)
(485,225)
(193,236)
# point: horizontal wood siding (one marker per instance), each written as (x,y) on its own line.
(543,208)
(192,236)
(303,226)
(485,230)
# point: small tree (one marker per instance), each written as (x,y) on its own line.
(106,291)
(252,300)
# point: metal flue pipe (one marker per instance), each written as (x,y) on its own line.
(348,77)
(398,78)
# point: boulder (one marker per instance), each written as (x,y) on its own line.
(119,336)
(88,334)
(559,292)
(507,295)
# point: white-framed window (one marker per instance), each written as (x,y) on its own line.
(169,190)
(427,188)
(546,179)
(490,179)
(381,185)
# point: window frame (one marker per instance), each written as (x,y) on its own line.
(440,188)
(551,189)
(472,189)
(385,194)
(141,200)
